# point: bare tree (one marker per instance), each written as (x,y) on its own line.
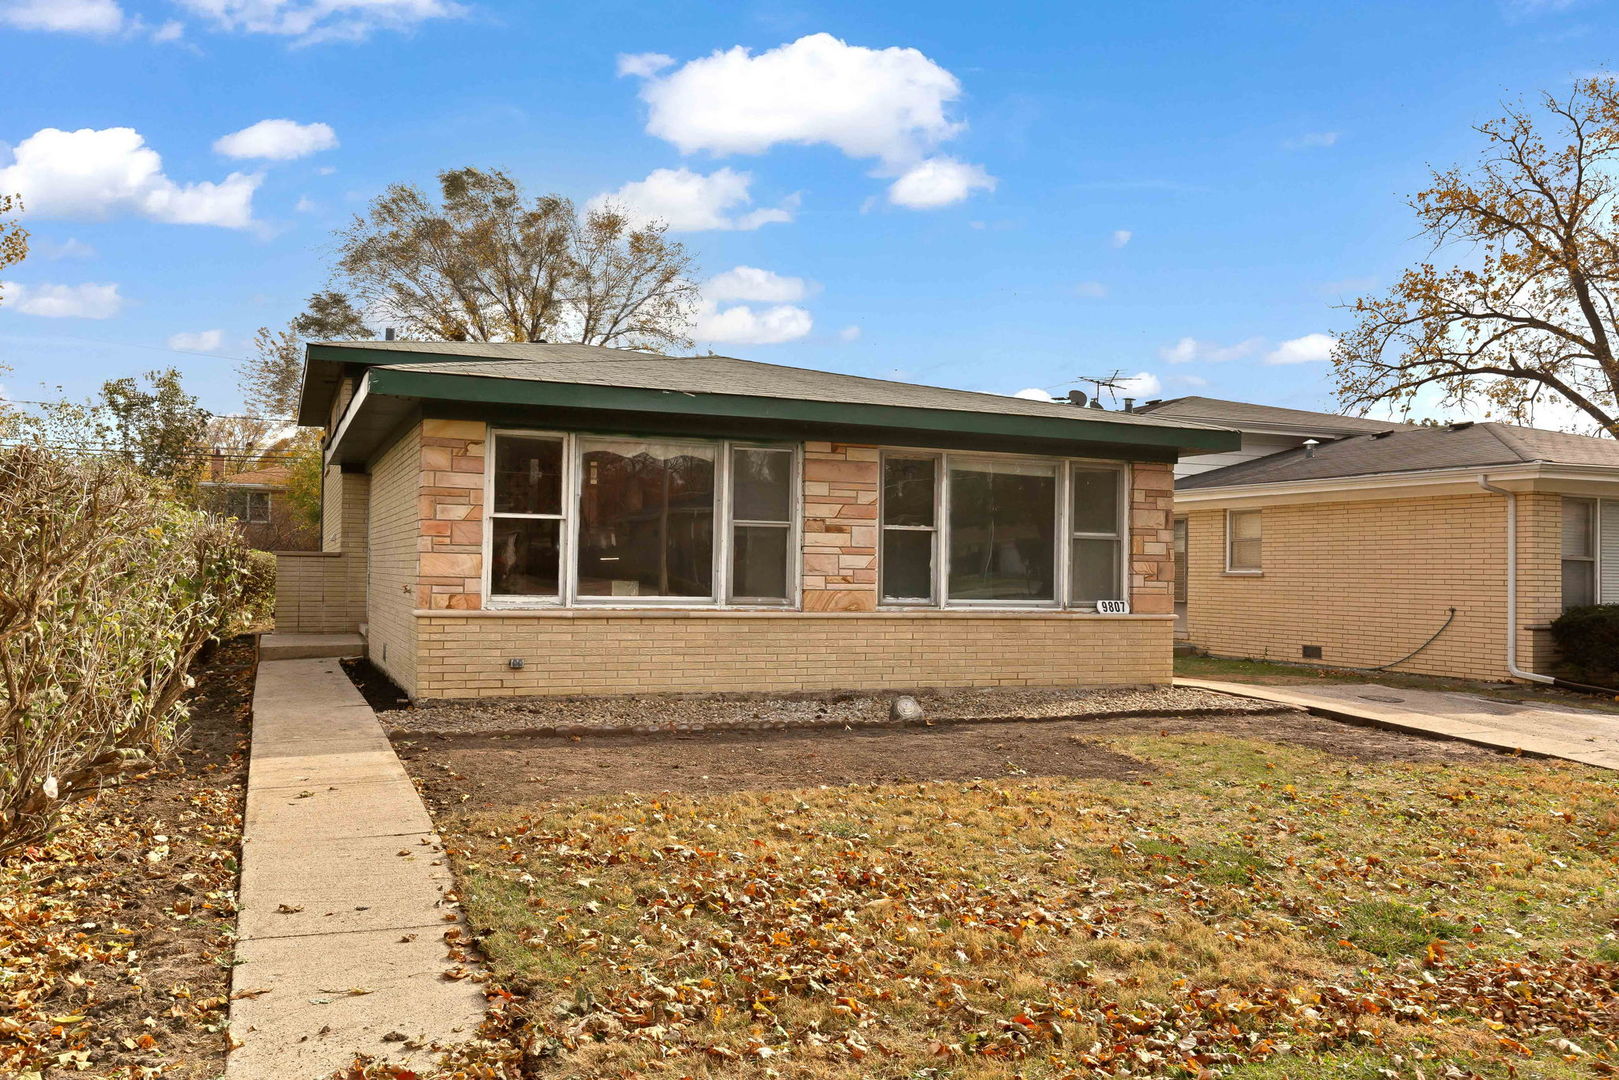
(1526,310)
(486,263)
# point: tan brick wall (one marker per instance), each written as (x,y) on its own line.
(840,526)
(450,507)
(573,652)
(1369,581)
(394,572)
(1152,556)
(319,592)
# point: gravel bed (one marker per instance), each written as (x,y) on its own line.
(642,714)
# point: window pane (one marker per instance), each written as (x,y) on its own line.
(1095,573)
(1096,502)
(646,520)
(1579,583)
(907,564)
(908,491)
(1577,515)
(1245,525)
(525,557)
(761,485)
(1002,525)
(1245,555)
(759,562)
(528,476)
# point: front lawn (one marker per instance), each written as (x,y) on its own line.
(1234,906)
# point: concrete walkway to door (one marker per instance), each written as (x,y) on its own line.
(340,936)
(1584,735)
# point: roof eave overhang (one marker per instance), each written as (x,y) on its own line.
(1521,476)
(430,387)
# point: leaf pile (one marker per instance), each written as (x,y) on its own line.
(1251,904)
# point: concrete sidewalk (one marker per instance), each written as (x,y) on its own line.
(342,908)
(1583,735)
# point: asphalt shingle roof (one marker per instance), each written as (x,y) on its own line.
(596,366)
(1413,449)
(1241,414)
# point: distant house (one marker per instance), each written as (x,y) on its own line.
(510,519)
(257,498)
(1384,542)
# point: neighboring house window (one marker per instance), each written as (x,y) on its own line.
(1243,541)
(648,522)
(1579,552)
(1000,531)
(252,507)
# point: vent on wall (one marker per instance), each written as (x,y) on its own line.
(1312,652)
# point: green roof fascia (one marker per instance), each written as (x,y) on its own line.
(441,387)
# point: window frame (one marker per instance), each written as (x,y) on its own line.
(574,447)
(1062,535)
(1594,542)
(1230,536)
(247,495)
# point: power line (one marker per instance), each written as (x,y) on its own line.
(217,415)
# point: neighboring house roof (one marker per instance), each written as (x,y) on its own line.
(1414,449)
(589,377)
(1248,416)
(274,476)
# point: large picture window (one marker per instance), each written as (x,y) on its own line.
(647,521)
(976,531)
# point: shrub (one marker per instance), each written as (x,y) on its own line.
(1588,641)
(107,591)
(258,591)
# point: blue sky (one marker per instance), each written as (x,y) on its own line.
(992,197)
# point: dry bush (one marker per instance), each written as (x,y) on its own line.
(108,589)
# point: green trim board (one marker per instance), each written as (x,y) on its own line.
(429,386)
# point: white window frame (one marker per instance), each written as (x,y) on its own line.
(1593,537)
(1062,537)
(574,446)
(1230,535)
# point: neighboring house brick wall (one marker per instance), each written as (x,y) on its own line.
(574,652)
(840,526)
(1369,581)
(451,513)
(394,571)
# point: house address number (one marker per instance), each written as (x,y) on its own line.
(1113,607)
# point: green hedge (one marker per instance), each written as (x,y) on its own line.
(1588,643)
(258,590)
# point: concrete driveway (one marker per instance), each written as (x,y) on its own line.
(1583,735)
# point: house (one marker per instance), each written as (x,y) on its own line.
(1390,547)
(512,518)
(257,498)
(1265,429)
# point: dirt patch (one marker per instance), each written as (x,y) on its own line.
(379,691)
(489,772)
(124,922)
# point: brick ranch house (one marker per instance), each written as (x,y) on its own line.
(510,519)
(1374,540)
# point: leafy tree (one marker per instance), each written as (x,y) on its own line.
(273,376)
(303,477)
(486,263)
(13,237)
(1526,310)
(159,430)
(331,317)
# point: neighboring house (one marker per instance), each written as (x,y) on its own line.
(1369,547)
(257,498)
(1266,429)
(557,519)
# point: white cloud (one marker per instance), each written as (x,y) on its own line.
(93,175)
(312,21)
(762,286)
(1143,384)
(1093,290)
(1188,349)
(643,65)
(849,333)
(1309,349)
(305,205)
(172,30)
(1311,139)
(744,325)
(1120,237)
(1189,380)
(937,182)
(71,248)
(1034,393)
(888,105)
(63,301)
(688,201)
(277,140)
(63,16)
(203,341)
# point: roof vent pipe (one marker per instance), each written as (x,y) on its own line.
(1309,447)
(388,334)
(1129,404)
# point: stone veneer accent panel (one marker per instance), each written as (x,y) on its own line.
(840,527)
(1152,538)
(463,655)
(450,507)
